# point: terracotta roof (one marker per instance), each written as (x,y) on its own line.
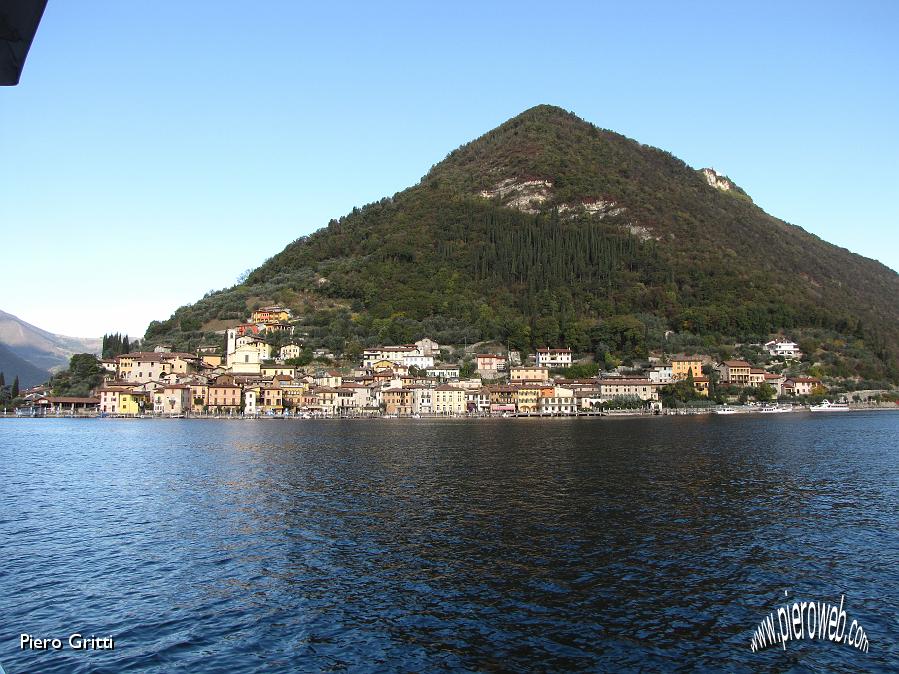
(67,400)
(154,355)
(628,382)
(736,363)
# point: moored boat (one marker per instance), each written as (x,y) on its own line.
(827,406)
(776,409)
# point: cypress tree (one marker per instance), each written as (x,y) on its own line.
(2,380)
(15,387)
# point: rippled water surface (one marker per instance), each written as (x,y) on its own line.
(421,546)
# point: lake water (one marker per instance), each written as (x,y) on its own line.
(424,545)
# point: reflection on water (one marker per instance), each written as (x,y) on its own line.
(504,545)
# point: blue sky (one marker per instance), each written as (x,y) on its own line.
(155,150)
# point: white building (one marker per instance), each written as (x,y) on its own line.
(478,400)
(559,404)
(443,372)
(289,351)
(250,402)
(171,399)
(553,357)
(661,374)
(408,355)
(418,360)
(783,347)
(422,400)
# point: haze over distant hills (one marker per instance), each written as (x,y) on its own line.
(32,354)
(549,231)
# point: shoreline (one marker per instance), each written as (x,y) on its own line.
(449,417)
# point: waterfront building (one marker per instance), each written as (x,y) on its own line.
(735,372)
(224,396)
(449,400)
(68,404)
(422,399)
(527,398)
(251,400)
(398,401)
(643,389)
(172,399)
(775,381)
(121,400)
(800,386)
(558,405)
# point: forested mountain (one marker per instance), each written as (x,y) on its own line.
(551,231)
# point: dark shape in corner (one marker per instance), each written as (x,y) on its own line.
(19,20)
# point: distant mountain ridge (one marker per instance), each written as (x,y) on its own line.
(12,366)
(33,353)
(549,231)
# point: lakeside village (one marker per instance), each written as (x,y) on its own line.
(253,380)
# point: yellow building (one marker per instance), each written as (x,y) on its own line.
(683,366)
(527,373)
(271,399)
(121,400)
(199,394)
(273,314)
(398,401)
(449,400)
(701,385)
(527,398)
(292,395)
(273,369)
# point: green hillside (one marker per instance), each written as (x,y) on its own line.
(551,231)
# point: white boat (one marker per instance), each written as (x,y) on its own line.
(725,410)
(828,406)
(776,409)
